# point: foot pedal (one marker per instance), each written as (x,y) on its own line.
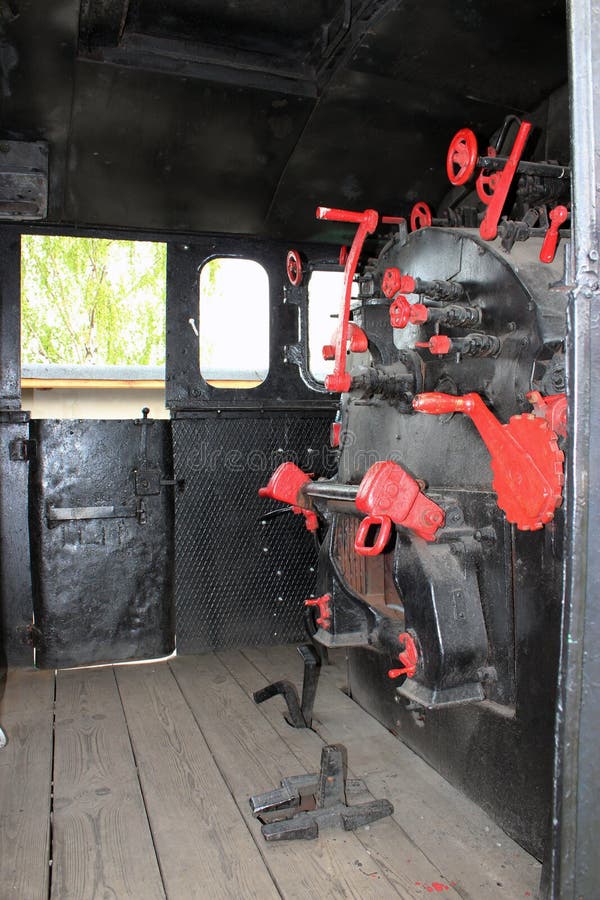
(304,803)
(299,711)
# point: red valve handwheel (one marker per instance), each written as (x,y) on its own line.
(462,156)
(420,216)
(343,255)
(486,185)
(293,265)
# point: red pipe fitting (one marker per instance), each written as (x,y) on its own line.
(324,617)
(409,657)
(403,313)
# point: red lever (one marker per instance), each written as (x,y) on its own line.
(489,227)
(525,458)
(409,657)
(324,618)
(403,313)
(383,535)
(387,490)
(558,215)
(285,485)
(367,223)
(439,344)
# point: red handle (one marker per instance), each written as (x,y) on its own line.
(437,403)
(383,535)
(489,227)
(367,223)
(558,215)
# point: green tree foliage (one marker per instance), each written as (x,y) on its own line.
(92,301)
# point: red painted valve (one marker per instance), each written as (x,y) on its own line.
(367,223)
(293,265)
(403,313)
(409,657)
(420,216)
(394,281)
(387,490)
(324,617)
(525,459)
(558,215)
(285,485)
(461,159)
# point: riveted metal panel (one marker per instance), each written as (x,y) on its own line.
(241,579)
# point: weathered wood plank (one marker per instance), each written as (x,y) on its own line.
(453,832)
(362,864)
(26,714)
(203,846)
(102,845)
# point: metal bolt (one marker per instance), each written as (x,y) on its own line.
(593,254)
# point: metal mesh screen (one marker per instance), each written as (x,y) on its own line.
(241,580)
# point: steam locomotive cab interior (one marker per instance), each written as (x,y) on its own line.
(369,431)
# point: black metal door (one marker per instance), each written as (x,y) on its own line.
(101,532)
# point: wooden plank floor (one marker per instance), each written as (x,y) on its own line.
(133,782)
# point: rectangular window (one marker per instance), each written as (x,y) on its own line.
(92,302)
(92,316)
(234,323)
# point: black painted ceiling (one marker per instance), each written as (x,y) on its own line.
(244,115)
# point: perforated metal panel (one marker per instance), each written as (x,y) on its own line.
(241,579)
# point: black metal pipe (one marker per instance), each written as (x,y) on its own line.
(330,490)
(525,167)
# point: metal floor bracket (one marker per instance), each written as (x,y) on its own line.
(303,803)
(300,711)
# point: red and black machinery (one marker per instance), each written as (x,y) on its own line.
(441,533)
